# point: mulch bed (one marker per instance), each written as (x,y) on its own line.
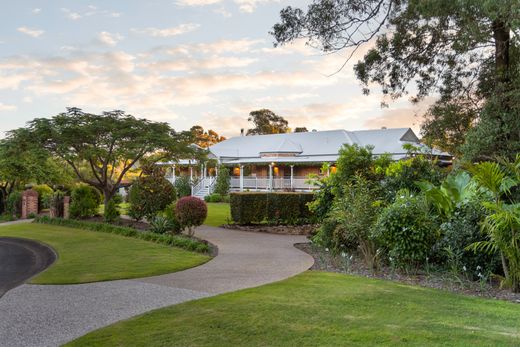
(352,264)
(274,229)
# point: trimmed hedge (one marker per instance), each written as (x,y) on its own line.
(170,240)
(275,208)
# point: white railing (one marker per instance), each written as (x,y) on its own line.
(277,183)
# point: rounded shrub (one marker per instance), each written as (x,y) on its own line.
(407,231)
(85,201)
(191,212)
(149,195)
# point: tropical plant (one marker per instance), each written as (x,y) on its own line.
(503,222)
(161,225)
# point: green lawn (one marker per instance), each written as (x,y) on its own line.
(123,208)
(322,309)
(218,214)
(86,256)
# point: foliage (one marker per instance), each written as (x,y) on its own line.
(356,212)
(102,149)
(461,229)
(191,212)
(44,194)
(14,204)
(149,195)
(85,201)
(205,139)
(223,181)
(267,122)
(502,224)
(215,198)
(173,224)
(56,203)
(276,208)
(171,240)
(182,186)
(111,213)
(407,231)
(162,225)
(354,161)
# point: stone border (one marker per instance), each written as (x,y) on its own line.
(305,230)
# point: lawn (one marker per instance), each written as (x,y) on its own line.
(322,309)
(218,214)
(123,208)
(86,256)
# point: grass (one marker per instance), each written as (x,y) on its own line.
(123,208)
(85,256)
(322,309)
(218,214)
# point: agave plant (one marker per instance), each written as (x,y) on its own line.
(503,222)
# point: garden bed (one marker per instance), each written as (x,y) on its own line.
(274,229)
(352,264)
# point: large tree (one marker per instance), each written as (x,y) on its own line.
(102,149)
(204,138)
(267,122)
(454,49)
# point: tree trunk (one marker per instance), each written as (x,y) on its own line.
(108,194)
(502,39)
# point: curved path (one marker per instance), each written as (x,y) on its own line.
(21,259)
(49,315)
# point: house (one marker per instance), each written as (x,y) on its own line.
(284,161)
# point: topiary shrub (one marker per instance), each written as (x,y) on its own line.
(191,212)
(149,195)
(223,182)
(85,201)
(283,208)
(247,208)
(407,231)
(183,186)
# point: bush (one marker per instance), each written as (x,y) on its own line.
(85,201)
(170,240)
(161,225)
(111,211)
(44,195)
(183,186)
(223,181)
(56,203)
(215,198)
(169,214)
(406,231)
(149,195)
(14,204)
(278,208)
(460,231)
(191,212)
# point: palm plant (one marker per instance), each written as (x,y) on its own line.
(503,222)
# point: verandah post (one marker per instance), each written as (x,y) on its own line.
(241,178)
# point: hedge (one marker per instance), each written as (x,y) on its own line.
(170,240)
(274,208)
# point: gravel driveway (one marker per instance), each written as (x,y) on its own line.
(50,315)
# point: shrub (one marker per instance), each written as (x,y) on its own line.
(161,225)
(406,230)
(56,203)
(169,214)
(149,195)
(111,211)
(214,198)
(278,208)
(44,195)
(183,186)
(170,240)
(191,212)
(85,201)
(118,198)
(223,181)
(14,204)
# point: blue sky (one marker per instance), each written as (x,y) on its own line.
(186,62)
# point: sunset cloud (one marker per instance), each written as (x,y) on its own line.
(31,32)
(168,32)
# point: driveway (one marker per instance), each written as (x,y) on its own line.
(50,315)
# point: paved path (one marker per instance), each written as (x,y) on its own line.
(36,315)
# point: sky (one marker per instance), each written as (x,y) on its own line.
(185,62)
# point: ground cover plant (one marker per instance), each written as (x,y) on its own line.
(321,309)
(86,256)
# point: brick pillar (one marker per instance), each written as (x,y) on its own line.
(66,205)
(29,203)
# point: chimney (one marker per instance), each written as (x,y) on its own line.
(383,128)
(314,130)
(242,132)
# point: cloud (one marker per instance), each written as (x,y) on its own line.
(31,32)
(215,62)
(246,6)
(197,2)
(4,107)
(36,10)
(71,14)
(109,39)
(223,12)
(168,32)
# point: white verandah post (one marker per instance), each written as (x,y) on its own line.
(292,177)
(270,177)
(241,178)
(173,174)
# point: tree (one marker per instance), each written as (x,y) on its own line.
(102,149)
(457,49)
(266,122)
(204,138)
(223,181)
(301,130)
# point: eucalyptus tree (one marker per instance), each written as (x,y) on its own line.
(465,52)
(267,122)
(102,149)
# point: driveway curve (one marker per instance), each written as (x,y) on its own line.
(21,259)
(50,315)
